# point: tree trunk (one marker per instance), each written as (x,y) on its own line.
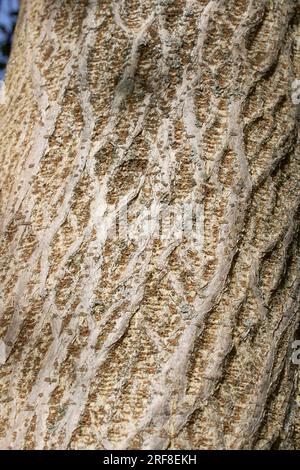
(149,226)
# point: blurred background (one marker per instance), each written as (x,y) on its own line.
(8,17)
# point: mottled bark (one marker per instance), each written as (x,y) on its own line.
(156,341)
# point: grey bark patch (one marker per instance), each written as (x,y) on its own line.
(125,87)
(2,352)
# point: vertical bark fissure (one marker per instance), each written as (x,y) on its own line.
(155,341)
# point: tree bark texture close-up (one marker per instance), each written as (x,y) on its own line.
(115,337)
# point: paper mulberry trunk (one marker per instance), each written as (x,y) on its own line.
(150,226)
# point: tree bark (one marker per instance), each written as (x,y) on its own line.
(116,333)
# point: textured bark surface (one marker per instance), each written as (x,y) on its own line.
(155,342)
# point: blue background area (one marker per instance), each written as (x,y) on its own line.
(6,26)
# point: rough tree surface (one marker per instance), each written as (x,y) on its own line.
(159,341)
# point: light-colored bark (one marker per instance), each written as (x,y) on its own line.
(155,342)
